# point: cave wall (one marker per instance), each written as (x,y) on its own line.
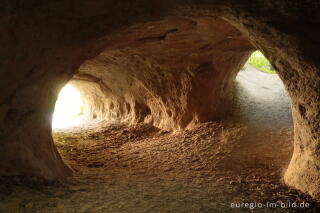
(292,51)
(44,43)
(172,73)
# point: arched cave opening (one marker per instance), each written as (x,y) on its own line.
(260,98)
(154,76)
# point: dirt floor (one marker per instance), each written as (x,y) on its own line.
(143,169)
(215,167)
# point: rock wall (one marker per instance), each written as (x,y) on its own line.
(44,43)
(171,73)
(293,54)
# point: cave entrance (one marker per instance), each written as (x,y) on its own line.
(261,99)
(69,108)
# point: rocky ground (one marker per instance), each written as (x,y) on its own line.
(143,169)
(211,168)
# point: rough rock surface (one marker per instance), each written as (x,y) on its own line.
(121,168)
(44,43)
(172,73)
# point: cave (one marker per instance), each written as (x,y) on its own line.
(157,69)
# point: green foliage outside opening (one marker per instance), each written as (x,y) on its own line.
(258,61)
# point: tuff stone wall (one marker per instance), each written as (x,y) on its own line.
(171,73)
(44,43)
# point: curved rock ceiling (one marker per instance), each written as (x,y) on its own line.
(43,44)
(172,73)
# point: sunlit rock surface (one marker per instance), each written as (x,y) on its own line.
(172,73)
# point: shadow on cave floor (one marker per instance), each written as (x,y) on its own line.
(142,169)
(136,169)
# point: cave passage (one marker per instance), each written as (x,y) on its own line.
(241,156)
(156,80)
(207,166)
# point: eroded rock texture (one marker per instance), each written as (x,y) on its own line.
(156,61)
(172,73)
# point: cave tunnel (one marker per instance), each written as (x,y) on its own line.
(162,74)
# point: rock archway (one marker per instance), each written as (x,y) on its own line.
(43,45)
(172,73)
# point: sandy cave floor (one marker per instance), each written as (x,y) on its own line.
(143,169)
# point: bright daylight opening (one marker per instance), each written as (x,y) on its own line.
(261,96)
(68,109)
(260,62)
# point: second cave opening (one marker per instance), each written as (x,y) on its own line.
(260,98)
